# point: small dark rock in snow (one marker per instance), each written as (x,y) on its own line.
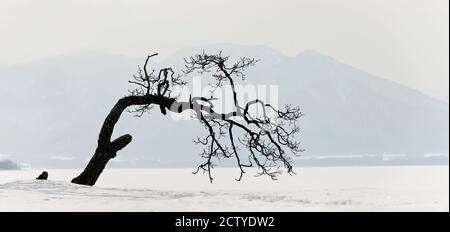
(43,176)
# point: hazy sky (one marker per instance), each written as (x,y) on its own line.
(402,40)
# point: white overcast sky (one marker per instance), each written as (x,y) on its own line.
(406,41)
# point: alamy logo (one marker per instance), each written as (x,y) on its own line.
(221,99)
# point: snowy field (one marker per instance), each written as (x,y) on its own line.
(402,188)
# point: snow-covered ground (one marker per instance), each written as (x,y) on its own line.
(402,188)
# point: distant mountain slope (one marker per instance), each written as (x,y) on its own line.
(55,108)
(8,165)
(347,110)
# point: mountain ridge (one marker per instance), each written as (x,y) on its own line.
(58,105)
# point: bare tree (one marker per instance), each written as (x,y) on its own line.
(266,137)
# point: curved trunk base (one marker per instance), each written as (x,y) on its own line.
(93,170)
(107,149)
(99,160)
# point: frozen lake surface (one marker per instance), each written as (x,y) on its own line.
(394,188)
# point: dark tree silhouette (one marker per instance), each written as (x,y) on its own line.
(266,137)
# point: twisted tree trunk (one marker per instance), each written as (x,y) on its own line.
(107,149)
